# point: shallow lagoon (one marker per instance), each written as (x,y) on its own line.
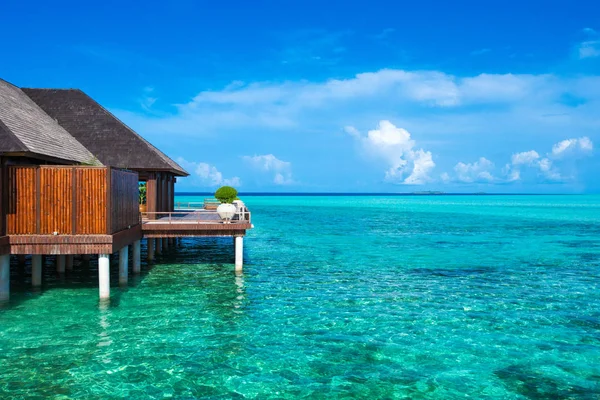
(373,297)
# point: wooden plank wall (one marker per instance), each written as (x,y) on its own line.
(55,201)
(22,197)
(70,200)
(124,200)
(91,201)
(2,211)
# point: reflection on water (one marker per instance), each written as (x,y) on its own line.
(104,336)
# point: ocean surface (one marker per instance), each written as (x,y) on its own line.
(427,297)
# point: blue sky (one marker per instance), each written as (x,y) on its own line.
(366,96)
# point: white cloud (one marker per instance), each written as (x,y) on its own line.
(431,87)
(525,158)
(479,171)
(546,166)
(531,160)
(450,113)
(588,49)
(352,131)
(438,103)
(422,166)
(269,163)
(524,165)
(583,144)
(395,147)
(203,174)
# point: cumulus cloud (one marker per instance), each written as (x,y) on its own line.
(282,170)
(569,146)
(396,148)
(438,102)
(479,171)
(546,166)
(530,159)
(443,108)
(204,174)
(523,165)
(525,158)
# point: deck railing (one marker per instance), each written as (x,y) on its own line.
(211,204)
(243,216)
(189,205)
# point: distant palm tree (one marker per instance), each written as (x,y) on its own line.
(142,187)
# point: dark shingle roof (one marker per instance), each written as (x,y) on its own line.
(109,139)
(26,128)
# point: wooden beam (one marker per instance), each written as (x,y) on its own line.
(108,201)
(151,195)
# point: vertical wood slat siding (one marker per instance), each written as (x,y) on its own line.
(2,201)
(124,200)
(21,209)
(91,201)
(70,200)
(56,201)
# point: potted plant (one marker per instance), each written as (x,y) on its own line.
(226,195)
(142,196)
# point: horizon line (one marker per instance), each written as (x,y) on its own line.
(426,193)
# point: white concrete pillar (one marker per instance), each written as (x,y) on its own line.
(60,264)
(150,249)
(123,265)
(4,277)
(69,262)
(137,256)
(104,276)
(158,246)
(36,270)
(239,253)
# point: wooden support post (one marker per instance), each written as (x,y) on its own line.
(60,263)
(124,265)
(5,277)
(21,258)
(152,195)
(104,276)
(137,256)
(150,243)
(239,253)
(86,257)
(69,262)
(36,270)
(164,206)
(158,246)
(165,244)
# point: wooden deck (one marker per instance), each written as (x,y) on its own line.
(193,222)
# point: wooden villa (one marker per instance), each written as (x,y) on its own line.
(69,174)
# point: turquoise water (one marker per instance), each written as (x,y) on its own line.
(341,297)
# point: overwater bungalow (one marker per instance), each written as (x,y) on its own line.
(69,175)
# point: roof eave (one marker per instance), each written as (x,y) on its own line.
(44,157)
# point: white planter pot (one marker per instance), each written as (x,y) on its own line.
(226,211)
